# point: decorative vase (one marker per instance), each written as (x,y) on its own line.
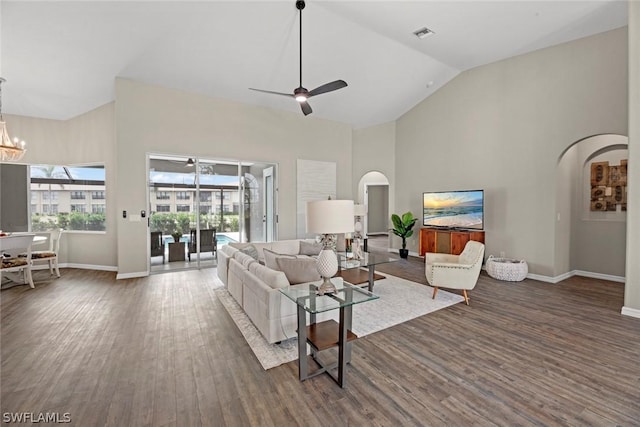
(404,253)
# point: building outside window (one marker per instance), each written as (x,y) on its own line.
(205,196)
(58,192)
(183,195)
(163,208)
(183,208)
(162,195)
(34,208)
(205,209)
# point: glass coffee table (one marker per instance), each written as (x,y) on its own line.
(329,333)
(350,269)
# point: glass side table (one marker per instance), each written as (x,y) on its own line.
(327,334)
(369,261)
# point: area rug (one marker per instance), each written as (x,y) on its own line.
(400,300)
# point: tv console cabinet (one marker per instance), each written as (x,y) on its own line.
(446,241)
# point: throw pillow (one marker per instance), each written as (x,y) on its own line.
(308,248)
(251,251)
(298,270)
(270,258)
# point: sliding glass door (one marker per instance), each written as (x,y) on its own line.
(197,205)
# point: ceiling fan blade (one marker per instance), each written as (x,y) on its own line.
(306,108)
(328,87)
(272,92)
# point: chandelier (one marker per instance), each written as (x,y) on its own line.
(9,150)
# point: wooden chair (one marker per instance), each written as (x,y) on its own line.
(455,271)
(157,244)
(50,255)
(10,249)
(208,242)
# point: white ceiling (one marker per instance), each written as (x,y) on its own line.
(60,59)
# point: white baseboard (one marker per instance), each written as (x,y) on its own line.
(628,311)
(609,277)
(90,267)
(132,275)
(560,278)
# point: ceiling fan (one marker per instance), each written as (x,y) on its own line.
(302,94)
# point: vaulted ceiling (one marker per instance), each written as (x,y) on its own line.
(60,58)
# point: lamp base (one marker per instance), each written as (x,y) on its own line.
(327,287)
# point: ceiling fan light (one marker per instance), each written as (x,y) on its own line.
(301,97)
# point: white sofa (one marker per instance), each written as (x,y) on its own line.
(255,287)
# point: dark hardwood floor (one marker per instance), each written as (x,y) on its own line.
(162,351)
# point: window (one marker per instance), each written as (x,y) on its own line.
(183,208)
(50,195)
(163,208)
(183,195)
(96,208)
(50,209)
(205,196)
(34,208)
(205,209)
(162,195)
(224,196)
(61,187)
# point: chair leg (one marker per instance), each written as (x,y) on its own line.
(29,278)
(51,267)
(466,297)
(435,291)
(56,267)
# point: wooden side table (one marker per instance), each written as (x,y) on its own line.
(176,251)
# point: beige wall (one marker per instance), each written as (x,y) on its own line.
(632,289)
(151,119)
(88,138)
(503,127)
(374,151)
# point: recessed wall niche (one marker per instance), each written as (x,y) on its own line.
(608,186)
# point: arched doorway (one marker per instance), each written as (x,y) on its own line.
(591,209)
(374,192)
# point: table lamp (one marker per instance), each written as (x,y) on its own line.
(359,211)
(328,218)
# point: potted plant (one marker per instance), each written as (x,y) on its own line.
(402,227)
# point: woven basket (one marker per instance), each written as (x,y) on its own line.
(507,269)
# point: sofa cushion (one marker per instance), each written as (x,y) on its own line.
(251,251)
(308,248)
(298,270)
(271,256)
(288,247)
(244,259)
(273,278)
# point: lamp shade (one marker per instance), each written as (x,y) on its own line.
(359,210)
(330,216)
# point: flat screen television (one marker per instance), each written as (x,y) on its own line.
(454,209)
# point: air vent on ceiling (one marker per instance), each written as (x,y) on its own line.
(423,32)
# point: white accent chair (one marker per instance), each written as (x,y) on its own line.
(455,271)
(10,249)
(50,255)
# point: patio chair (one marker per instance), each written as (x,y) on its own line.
(208,242)
(157,244)
(10,249)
